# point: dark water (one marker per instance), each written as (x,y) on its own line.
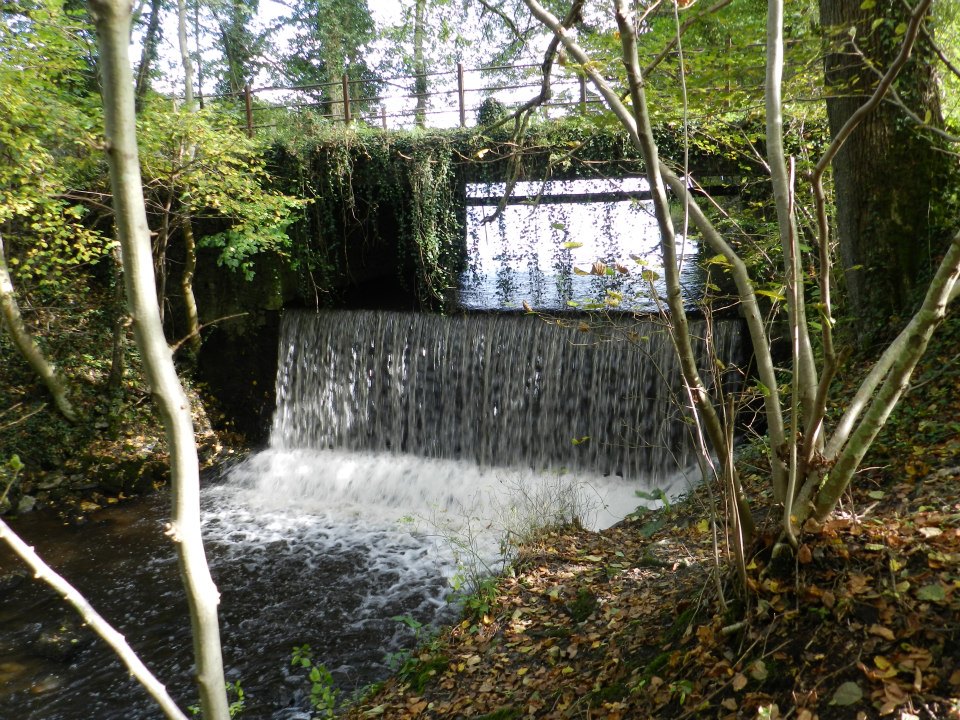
(286,579)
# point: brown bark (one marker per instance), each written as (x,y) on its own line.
(885,174)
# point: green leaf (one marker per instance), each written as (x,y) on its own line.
(868,4)
(717,260)
(773,294)
(570,245)
(932,593)
(847,694)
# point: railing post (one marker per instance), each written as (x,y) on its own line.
(460,95)
(346,99)
(583,94)
(248,100)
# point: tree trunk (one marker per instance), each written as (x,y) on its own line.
(185,54)
(186,285)
(25,343)
(148,53)
(190,248)
(112,20)
(419,63)
(885,174)
(120,318)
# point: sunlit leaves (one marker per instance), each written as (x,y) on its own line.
(225,180)
(48,145)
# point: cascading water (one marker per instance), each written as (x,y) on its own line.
(485,419)
(494,389)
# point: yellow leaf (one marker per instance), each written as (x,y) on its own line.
(703,526)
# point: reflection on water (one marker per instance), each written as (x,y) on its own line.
(552,254)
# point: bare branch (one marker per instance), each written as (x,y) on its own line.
(91,617)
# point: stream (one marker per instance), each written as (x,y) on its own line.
(326,548)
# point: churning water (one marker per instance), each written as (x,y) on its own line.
(403,445)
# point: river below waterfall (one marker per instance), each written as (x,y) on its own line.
(319,547)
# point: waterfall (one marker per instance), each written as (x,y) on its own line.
(498,390)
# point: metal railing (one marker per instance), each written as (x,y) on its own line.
(453,96)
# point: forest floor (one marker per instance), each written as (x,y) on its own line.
(646,620)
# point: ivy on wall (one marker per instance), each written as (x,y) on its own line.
(376,198)
(391,203)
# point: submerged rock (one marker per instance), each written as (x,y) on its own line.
(26,504)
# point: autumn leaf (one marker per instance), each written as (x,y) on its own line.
(847,694)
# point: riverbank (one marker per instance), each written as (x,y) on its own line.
(645,619)
(117,447)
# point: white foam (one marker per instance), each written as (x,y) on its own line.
(421,515)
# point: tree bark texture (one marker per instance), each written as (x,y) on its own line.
(886,172)
(24,342)
(112,20)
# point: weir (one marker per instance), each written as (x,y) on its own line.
(602,397)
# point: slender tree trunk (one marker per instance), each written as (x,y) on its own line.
(160,253)
(25,343)
(148,53)
(885,173)
(196,43)
(120,319)
(112,20)
(419,62)
(188,78)
(189,245)
(186,284)
(898,363)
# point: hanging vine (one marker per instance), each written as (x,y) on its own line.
(372,194)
